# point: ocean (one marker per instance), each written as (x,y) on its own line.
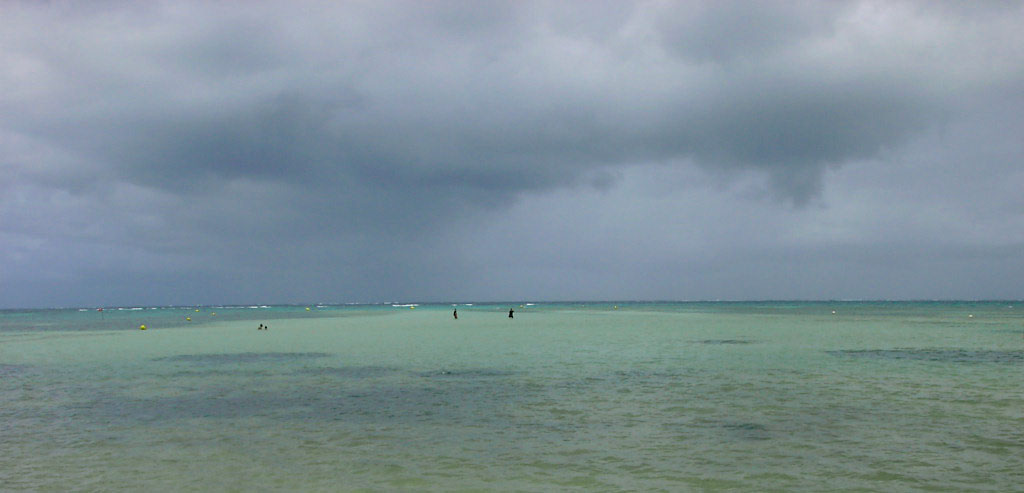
(751,396)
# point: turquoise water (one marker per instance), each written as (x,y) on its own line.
(782,396)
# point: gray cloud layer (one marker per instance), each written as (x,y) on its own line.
(189,152)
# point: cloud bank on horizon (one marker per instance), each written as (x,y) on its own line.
(208,152)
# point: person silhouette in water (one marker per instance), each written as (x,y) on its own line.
(455,313)
(510,312)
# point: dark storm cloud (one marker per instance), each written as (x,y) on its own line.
(723,31)
(425,93)
(220,139)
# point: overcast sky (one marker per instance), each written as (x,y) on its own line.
(177,152)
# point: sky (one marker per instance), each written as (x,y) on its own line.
(196,152)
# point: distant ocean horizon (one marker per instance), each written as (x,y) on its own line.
(138,306)
(784,395)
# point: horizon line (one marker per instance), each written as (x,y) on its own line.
(522,301)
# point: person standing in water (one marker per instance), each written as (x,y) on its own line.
(510,312)
(455,313)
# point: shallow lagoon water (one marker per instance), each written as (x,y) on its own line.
(670,397)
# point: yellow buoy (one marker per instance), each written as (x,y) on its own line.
(307,308)
(412,307)
(188,319)
(142,327)
(197,310)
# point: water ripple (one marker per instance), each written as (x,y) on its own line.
(12,370)
(724,341)
(939,355)
(240,357)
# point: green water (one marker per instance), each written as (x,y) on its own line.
(588,397)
